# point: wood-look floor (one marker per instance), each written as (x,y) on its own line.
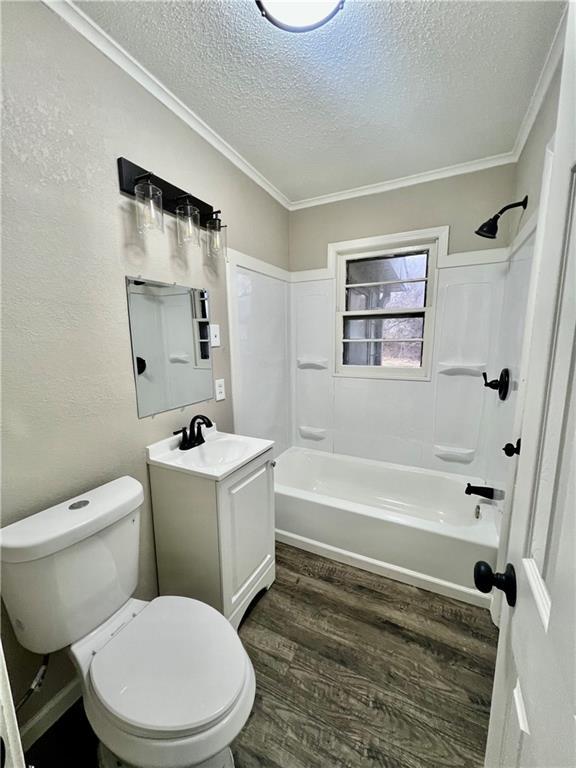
(352,671)
(357,671)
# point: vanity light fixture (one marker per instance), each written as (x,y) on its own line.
(149,214)
(490,228)
(299,15)
(188,222)
(155,196)
(216,236)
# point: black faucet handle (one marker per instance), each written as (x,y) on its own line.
(185,438)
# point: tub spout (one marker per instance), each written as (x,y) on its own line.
(483,490)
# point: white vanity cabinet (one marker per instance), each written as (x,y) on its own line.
(215,535)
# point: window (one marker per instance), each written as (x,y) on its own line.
(385,303)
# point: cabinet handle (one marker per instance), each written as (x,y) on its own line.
(272,464)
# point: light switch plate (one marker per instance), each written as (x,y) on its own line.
(219,389)
(214,335)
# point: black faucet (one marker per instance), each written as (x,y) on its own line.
(483,490)
(193,437)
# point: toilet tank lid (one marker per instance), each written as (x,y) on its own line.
(71,521)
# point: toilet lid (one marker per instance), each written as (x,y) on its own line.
(178,667)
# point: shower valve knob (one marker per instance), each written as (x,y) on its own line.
(491,384)
(511,450)
(502,383)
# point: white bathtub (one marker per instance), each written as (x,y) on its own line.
(413,525)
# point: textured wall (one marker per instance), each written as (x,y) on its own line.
(531,162)
(70,418)
(463,202)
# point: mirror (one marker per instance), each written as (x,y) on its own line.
(170,333)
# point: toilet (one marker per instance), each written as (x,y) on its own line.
(166,683)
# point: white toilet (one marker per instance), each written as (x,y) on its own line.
(166,683)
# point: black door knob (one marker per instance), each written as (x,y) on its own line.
(485,580)
(140,365)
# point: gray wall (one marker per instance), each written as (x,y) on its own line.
(463,202)
(70,418)
(531,162)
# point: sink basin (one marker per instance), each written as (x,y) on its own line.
(218,457)
(226,450)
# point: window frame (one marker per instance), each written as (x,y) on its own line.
(421,373)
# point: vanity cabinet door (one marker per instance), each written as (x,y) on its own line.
(246,518)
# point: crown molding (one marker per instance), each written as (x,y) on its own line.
(83,24)
(406,181)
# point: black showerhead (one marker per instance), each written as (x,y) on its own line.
(490,228)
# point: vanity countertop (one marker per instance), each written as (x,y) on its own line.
(220,455)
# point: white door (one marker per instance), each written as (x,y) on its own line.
(10,747)
(532,722)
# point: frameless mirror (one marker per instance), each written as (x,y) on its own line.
(170,333)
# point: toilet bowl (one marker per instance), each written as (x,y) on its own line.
(165,683)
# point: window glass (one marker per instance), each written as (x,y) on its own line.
(399,354)
(385,309)
(393,328)
(385,268)
(390,296)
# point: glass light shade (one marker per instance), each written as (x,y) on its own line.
(216,239)
(299,15)
(149,214)
(188,224)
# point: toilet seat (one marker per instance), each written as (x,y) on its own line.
(176,669)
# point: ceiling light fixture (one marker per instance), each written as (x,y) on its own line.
(299,15)
(490,228)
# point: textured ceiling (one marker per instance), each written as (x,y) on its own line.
(385,90)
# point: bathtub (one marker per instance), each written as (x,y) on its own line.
(412,525)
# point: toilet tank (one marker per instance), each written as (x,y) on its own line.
(67,569)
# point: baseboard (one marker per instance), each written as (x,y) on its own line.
(395,572)
(52,711)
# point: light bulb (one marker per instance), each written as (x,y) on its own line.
(188,224)
(149,214)
(216,236)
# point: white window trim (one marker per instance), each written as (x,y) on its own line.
(435,240)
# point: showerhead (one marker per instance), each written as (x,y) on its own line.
(489,228)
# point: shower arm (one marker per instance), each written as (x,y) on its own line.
(521,203)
